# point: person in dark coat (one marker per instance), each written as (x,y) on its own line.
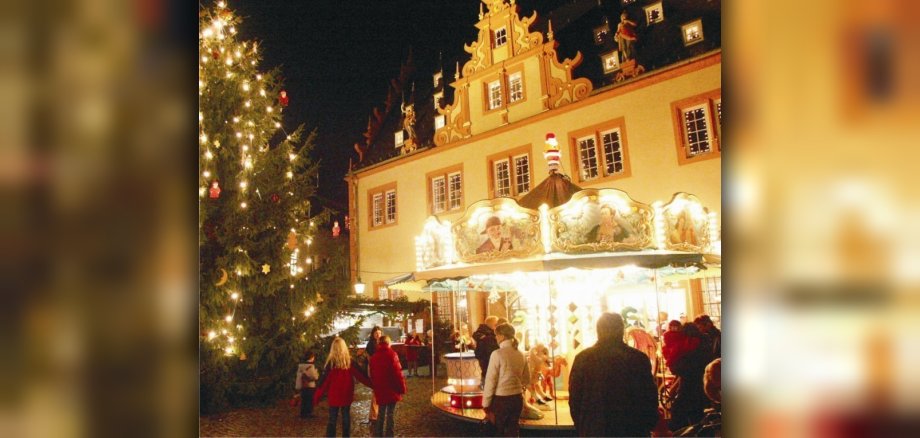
(611,388)
(389,385)
(690,400)
(339,383)
(709,330)
(484,336)
(369,349)
(307,375)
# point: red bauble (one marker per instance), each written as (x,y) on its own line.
(336,229)
(215,54)
(283,98)
(215,190)
(275,198)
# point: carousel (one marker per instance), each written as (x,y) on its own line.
(550,264)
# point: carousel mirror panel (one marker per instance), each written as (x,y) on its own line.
(597,220)
(497,229)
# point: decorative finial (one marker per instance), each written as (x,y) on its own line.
(551,153)
(457,73)
(550,33)
(480,10)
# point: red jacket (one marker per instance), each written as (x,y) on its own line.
(386,373)
(340,384)
(676,346)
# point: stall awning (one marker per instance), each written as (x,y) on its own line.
(413,289)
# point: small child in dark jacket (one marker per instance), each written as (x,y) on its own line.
(307,375)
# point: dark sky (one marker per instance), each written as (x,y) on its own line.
(337,57)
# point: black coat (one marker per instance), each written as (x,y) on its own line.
(485,345)
(612,391)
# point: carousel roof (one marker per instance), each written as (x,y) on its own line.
(554,191)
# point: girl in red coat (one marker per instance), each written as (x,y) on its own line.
(340,384)
(389,385)
(413,344)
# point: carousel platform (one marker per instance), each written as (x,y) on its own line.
(557,419)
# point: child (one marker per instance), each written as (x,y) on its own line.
(340,385)
(306,383)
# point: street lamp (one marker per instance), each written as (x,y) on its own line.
(359,286)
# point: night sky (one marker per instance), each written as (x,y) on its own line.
(337,58)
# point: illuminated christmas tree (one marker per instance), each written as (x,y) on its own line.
(263,300)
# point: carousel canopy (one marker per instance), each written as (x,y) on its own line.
(554,191)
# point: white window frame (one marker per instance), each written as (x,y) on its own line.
(495,94)
(602,29)
(500,37)
(611,61)
(455,190)
(377,209)
(438,194)
(498,177)
(611,161)
(586,154)
(399,138)
(390,196)
(515,87)
(648,13)
(521,178)
(687,28)
(439,122)
(690,130)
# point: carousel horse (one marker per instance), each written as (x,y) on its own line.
(642,341)
(550,373)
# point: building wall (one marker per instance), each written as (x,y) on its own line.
(644,105)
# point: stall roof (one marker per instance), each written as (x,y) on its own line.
(553,262)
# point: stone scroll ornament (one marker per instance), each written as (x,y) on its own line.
(596,220)
(497,229)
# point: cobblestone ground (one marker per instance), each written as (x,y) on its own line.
(415,416)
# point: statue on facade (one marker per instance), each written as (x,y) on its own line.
(626,37)
(411,141)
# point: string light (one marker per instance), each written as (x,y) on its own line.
(204,138)
(268,109)
(243,184)
(229,318)
(277,125)
(235,296)
(290,174)
(243,205)
(245,88)
(208,154)
(211,335)
(206,174)
(236,120)
(247,104)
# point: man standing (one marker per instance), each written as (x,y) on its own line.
(611,388)
(506,378)
(485,343)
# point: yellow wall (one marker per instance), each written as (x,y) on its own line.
(650,138)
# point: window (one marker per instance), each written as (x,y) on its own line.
(378,209)
(600,151)
(712,298)
(692,32)
(611,61)
(510,172)
(438,122)
(391,206)
(696,132)
(445,189)
(654,13)
(437,100)
(501,37)
(601,34)
(495,94)
(398,139)
(444,310)
(437,79)
(382,202)
(515,87)
(438,194)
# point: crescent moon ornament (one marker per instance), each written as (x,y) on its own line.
(223,278)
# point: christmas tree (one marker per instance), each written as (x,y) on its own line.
(263,300)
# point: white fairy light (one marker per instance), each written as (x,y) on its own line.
(243,184)
(229,318)
(206,174)
(243,205)
(245,87)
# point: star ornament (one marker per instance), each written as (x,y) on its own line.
(266,268)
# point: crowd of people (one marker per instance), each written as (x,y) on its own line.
(612,386)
